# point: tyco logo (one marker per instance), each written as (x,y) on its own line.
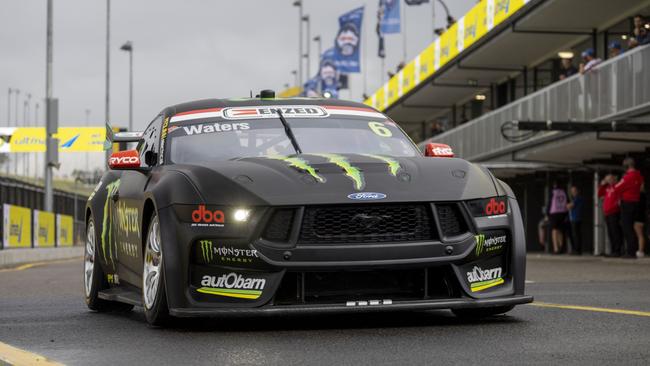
(494,207)
(491,244)
(480,279)
(233,285)
(205,217)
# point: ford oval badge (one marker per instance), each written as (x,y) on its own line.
(366,196)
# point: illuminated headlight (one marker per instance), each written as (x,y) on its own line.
(242,214)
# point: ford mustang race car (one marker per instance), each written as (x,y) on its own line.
(266,206)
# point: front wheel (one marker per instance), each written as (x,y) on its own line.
(481,312)
(154,297)
(94,280)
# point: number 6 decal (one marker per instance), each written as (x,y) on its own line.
(379,129)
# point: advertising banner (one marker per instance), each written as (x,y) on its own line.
(389,16)
(64,230)
(16,226)
(32,139)
(43,233)
(347,45)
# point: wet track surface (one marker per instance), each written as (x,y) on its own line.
(42,311)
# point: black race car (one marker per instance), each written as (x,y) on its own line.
(265,205)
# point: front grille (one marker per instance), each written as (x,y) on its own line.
(451,219)
(367,224)
(279,226)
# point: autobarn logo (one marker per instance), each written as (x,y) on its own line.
(489,243)
(208,218)
(481,279)
(304,111)
(233,285)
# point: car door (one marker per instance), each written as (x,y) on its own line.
(128,209)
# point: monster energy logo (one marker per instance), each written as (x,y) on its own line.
(206,250)
(300,164)
(107,224)
(351,172)
(393,165)
(480,241)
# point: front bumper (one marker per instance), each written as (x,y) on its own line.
(342,308)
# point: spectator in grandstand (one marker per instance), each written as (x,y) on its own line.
(639,33)
(615,49)
(589,60)
(629,192)
(576,208)
(612,213)
(567,69)
(557,213)
(639,224)
(436,128)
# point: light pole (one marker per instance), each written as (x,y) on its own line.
(17,92)
(26,156)
(36,155)
(307,55)
(87,124)
(108,69)
(128,47)
(295,77)
(298,3)
(320,49)
(50,118)
(9,107)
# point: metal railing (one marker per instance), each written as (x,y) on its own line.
(615,88)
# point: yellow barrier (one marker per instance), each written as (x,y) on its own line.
(475,24)
(64,230)
(17,226)
(43,229)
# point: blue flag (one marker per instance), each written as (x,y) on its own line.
(328,73)
(389,15)
(347,44)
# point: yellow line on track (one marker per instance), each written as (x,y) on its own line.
(18,357)
(36,264)
(591,308)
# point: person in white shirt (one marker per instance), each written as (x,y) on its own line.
(590,60)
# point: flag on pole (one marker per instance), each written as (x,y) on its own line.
(347,44)
(416,2)
(390,16)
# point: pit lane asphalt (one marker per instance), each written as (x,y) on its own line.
(42,311)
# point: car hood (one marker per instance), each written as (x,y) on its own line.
(331,178)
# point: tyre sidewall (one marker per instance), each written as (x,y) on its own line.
(159,313)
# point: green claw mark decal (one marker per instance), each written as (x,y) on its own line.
(480,241)
(206,250)
(393,165)
(300,164)
(352,172)
(107,224)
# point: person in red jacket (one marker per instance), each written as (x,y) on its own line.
(629,192)
(612,214)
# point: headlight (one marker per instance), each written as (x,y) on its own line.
(241,214)
(488,206)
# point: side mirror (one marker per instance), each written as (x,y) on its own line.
(438,151)
(150,158)
(127,159)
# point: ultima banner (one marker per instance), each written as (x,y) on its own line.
(32,139)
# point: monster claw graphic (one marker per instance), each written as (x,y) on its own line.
(111,188)
(352,172)
(300,164)
(393,165)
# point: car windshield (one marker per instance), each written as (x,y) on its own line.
(219,139)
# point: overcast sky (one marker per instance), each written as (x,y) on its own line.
(183,50)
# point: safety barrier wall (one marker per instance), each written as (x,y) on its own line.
(24,225)
(616,87)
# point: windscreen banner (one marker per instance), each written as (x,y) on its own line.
(17,226)
(64,230)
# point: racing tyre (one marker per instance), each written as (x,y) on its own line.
(481,312)
(154,298)
(94,279)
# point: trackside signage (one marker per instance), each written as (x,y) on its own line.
(303,111)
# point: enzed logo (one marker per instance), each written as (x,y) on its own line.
(272,112)
(232,285)
(480,279)
(491,244)
(205,217)
(206,250)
